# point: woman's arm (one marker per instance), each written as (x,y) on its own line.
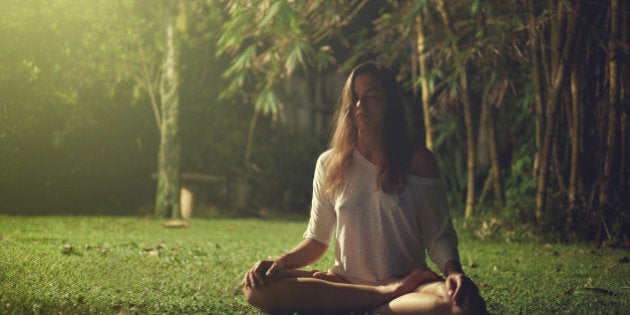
(304,254)
(441,237)
(438,234)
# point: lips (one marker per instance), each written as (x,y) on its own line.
(360,113)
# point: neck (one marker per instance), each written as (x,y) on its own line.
(370,145)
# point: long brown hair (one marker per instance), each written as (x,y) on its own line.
(396,144)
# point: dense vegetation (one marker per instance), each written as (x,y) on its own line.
(524,103)
(101,265)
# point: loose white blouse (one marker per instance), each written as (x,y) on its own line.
(380,235)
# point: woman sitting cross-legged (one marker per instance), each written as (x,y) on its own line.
(382,200)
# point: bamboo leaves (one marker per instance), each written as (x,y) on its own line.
(242,62)
(268,41)
(269,103)
(296,57)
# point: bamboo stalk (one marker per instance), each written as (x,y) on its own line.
(624,179)
(538,94)
(613,94)
(575,121)
(149,87)
(495,169)
(465,99)
(424,81)
(250,138)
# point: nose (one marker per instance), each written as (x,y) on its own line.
(359,103)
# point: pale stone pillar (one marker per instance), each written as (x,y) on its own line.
(187,201)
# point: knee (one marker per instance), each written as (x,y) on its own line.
(253,297)
(258,298)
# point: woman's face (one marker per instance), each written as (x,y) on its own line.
(368,104)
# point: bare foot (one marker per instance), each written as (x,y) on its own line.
(328,276)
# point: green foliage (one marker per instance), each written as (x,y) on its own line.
(269,40)
(519,188)
(93,265)
(450,159)
(268,103)
(287,162)
(283,158)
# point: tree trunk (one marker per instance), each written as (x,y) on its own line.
(624,179)
(167,199)
(424,81)
(552,104)
(613,93)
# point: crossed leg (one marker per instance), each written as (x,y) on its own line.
(433,298)
(300,291)
(430,298)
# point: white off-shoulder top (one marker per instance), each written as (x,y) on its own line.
(380,235)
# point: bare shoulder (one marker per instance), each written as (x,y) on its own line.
(423,164)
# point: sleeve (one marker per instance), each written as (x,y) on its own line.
(438,235)
(322,221)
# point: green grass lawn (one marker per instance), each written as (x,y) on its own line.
(133,265)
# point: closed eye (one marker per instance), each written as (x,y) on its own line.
(374,94)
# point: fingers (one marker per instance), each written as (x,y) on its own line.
(273,269)
(253,278)
(246,281)
(454,284)
(450,284)
(462,289)
(259,279)
(250,280)
(262,270)
(458,288)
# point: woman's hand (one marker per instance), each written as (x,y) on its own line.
(304,254)
(262,270)
(461,288)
